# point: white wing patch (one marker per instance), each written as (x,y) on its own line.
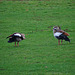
(57,34)
(17,34)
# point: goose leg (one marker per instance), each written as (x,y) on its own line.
(58,42)
(15,43)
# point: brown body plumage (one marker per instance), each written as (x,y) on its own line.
(60,34)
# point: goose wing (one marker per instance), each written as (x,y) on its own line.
(15,34)
(63,32)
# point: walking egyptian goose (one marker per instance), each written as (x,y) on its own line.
(16,37)
(60,34)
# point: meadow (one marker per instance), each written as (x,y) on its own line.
(40,53)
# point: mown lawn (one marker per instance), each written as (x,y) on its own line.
(40,53)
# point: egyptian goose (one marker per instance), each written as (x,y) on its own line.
(60,34)
(16,37)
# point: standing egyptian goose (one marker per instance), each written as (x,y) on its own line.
(60,34)
(16,37)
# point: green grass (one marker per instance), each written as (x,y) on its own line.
(39,54)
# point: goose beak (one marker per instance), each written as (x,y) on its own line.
(24,38)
